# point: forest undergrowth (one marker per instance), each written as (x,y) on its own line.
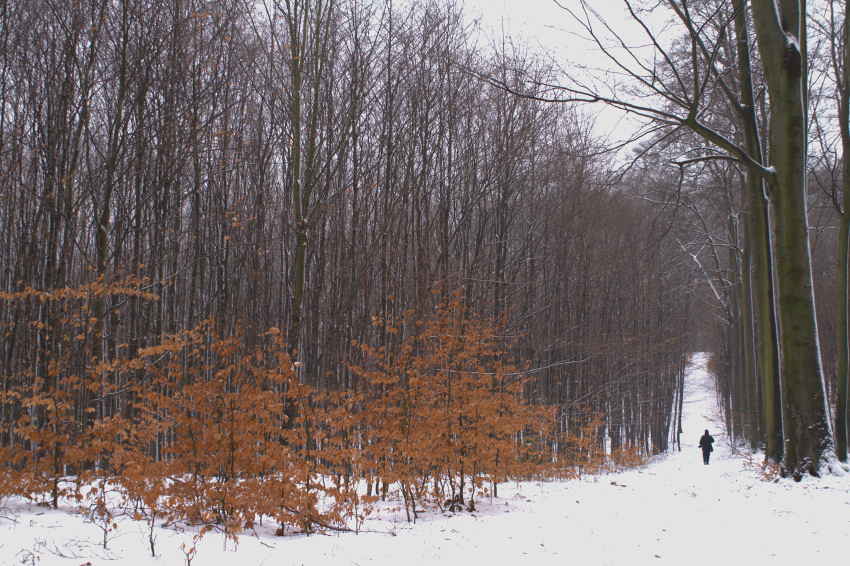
(208,431)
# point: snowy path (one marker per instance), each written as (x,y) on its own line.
(676,511)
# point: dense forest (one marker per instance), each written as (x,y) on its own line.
(262,258)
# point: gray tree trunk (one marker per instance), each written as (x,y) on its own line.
(780,32)
(758,240)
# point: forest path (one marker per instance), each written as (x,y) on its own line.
(674,511)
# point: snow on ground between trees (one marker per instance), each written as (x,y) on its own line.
(674,511)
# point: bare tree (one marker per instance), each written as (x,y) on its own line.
(688,87)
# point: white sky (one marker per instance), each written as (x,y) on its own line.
(550,29)
(547,24)
(540,21)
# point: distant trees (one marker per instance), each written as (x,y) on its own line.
(205,209)
(740,115)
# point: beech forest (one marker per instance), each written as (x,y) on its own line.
(276,261)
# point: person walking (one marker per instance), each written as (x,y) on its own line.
(705,443)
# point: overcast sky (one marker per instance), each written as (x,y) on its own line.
(529,16)
(547,27)
(544,22)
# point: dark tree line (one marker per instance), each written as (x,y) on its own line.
(310,166)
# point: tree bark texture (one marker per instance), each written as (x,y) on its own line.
(780,32)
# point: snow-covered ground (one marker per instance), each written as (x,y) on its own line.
(675,511)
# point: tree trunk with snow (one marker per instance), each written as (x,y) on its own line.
(780,31)
(758,240)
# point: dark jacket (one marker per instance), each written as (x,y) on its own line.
(706,442)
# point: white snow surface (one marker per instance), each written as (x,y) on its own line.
(673,511)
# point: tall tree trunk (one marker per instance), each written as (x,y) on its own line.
(747,325)
(843,279)
(769,389)
(739,341)
(781,34)
(758,241)
(309,29)
(841,334)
